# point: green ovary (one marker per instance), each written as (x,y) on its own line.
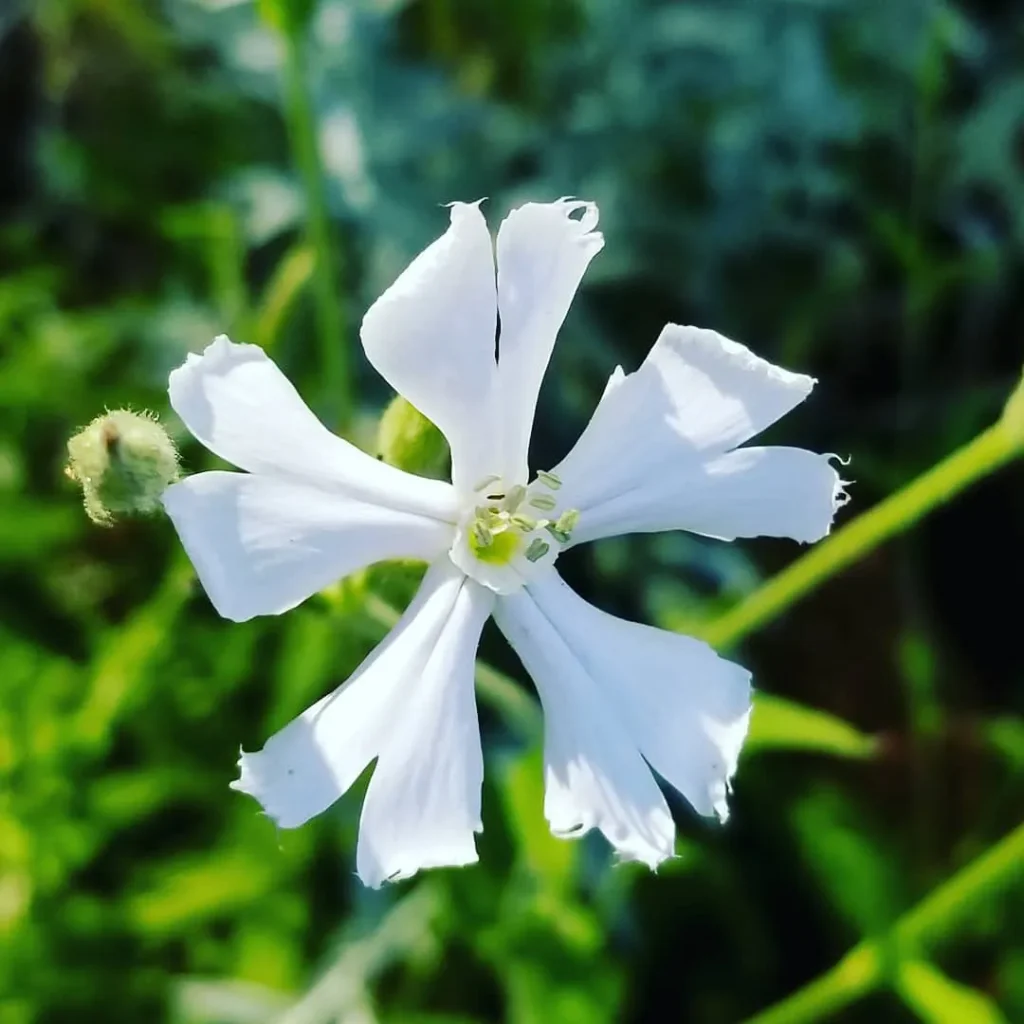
(500,551)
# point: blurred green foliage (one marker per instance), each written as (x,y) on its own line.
(836,182)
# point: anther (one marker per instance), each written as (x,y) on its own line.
(549,479)
(482,536)
(537,550)
(514,498)
(543,502)
(568,519)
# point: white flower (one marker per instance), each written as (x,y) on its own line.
(660,453)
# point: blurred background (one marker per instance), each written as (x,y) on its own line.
(837,183)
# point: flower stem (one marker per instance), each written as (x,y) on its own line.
(866,966)
(986,453)
(330,314)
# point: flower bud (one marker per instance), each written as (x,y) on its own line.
(408,440)
(124,461)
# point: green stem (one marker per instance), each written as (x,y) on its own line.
(987,452)
(865,967)
(330,315)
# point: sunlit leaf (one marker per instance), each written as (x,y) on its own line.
(1006,734)
(780,724)
(857,874)
(937,999)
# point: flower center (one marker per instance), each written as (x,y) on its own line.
(510,533)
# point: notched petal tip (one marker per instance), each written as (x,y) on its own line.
(628,850)
(650,844)
(398,869)
(587,221)
(187,383)
(838,496)
(728,737)
(212,357)
(695,342)
(543,219)
(651,861)
(460,207)
(253,780)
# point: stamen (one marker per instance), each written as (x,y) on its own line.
(514,498)
(537,550)
(542,501)
(523,522)
(549,479)
(482,536)
(562,536)
(486,482)
(488,514)
(568,519)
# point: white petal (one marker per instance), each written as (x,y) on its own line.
(697,395)
(411,706)
(594,774)
(749,492)
(543,252)
(682,706)
(240,406)
(431,336)
(261,545)
(423,803)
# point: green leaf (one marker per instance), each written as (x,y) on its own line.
(780,724)
(937,999)
(1006,735)
(200,888)
(291,275)
(856,868)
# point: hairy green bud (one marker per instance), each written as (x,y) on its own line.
(123,461)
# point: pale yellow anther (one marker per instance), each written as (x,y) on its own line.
(537,550)
(486,482)
(498,534)
(482,536)
(568,520)
(514,498)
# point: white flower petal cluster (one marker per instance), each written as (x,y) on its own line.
(663,451)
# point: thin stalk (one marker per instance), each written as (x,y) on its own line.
(335,364)
(935,918)
(987,452)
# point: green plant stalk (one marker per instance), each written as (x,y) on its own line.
(987,452)
(865,967)
(330,314)
(290,277)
